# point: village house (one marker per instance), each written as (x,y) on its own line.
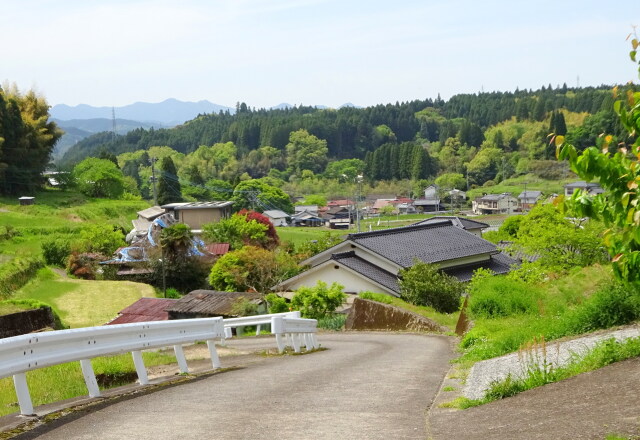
(277,217)
(370,261)
(473,226)
(197,214)
(589,187)
(528,199)
(430,202)
(503,203)
(211,303)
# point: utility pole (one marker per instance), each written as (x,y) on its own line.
(153,179)
(524,204)
(359,179)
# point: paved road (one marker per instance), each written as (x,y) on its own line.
(366,386)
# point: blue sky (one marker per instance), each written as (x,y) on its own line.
(116,52)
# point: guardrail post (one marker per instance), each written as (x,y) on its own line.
(277,329)
(22,391)
(215,360)
(295,339)
(141,370)
(258,328)
(90,378)
(182,361)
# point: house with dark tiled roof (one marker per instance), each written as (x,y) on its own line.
(371,260)
(473,226)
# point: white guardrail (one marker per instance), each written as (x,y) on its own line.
(289,324)
(19,354)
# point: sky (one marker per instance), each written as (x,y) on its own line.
(311,52)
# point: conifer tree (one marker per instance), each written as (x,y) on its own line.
(169,190)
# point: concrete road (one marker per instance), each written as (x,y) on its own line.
(365,386)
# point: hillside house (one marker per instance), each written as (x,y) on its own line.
(503,203)
(197,214)
(528,199)
(589,187)
(370,261)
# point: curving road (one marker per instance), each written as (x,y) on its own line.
(366,386)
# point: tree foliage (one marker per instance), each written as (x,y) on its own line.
(615,165)
(169,190)
(27,138)
(318,301)
(242,229)
(251,269)
(423,284)
(99,178)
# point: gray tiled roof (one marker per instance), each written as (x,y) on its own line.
(368,270)
(499,263)
(430,243)
(465,223)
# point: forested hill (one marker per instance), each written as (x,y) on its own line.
(352,132)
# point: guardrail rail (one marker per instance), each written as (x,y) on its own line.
(23,353)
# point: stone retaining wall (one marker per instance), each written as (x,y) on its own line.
(26,322)
(372,315)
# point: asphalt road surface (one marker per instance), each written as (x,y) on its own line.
(365,386)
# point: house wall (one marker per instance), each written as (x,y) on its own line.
(278,221)
(352,283)
(195,218)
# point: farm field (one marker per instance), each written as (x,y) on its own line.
(81,303)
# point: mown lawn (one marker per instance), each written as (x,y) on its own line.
(81,303)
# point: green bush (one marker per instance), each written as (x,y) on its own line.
(614,304)
(424,285)
(379,297)
(56,251)
(319,301)
(277,304)
(332,322)
(499,297)
(172,293)
(17,273)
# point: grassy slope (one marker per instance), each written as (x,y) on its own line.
(81,303)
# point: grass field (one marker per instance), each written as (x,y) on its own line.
(81,303)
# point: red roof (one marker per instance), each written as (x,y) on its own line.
(343,202)
(145,309)
(217,248)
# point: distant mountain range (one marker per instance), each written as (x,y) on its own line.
(168,113)
(81,121)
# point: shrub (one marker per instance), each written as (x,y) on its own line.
(332,322)
(244,307)
(172,293)
(379,297)
(424,285)
(56,251)
(319,301)
(614,304)
(277,304)
(494,297)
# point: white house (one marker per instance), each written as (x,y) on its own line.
(589,187)
(277,217)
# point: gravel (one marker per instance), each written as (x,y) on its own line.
(555,354)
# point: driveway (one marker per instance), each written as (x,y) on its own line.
(365,386)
